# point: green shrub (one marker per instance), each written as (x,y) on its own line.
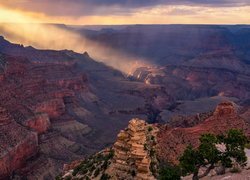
(58,178)
(247,145)
(133,173)
(104,165)
(168,172)
(68,178)
(105,177)
(97,172)
(152,152)
(150,128)
(208,154)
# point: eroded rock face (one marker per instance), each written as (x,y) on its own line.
(188,81)
(17,144)
(77,94)
(137,153)
(53,107)
(173,141)
(40,123)
(132,159)
(225,109)
(31,95)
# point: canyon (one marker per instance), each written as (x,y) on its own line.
(141,147)
(61,107)
(58,107)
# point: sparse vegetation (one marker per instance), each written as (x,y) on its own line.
(133,173)
(58,177)
(247,145)
(207,154)
(168,172)
(97,172)
(235,170)
(94,165)
(150,128)
(68,178)
(105,177)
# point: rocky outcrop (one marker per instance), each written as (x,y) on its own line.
(173,141)
(189,82)
(131,153)
(40,123)
(131,157)
(139,148)
(53,107)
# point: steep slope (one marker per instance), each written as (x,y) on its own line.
(17,144)
(178,44)
(69,100)
(139,148)
(190,82)
(75,106)
(131,157)
(173,141)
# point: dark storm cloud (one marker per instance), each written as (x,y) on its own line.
(105,7)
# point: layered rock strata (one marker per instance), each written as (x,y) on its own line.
(17,144)
(131,154)
(173,141)
(131,157)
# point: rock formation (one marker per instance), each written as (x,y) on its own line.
(30,99)
(40,123)
(131,153)
(75,106)
(133,156)
(173,141)
(139,148)
(17,144)
(60,99)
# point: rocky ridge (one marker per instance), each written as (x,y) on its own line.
(173,141)
(141,148)
(133,156)
(133,151)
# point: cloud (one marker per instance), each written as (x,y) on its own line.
(107,7)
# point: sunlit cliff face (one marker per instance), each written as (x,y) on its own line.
(54,37)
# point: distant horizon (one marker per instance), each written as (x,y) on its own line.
(123,24)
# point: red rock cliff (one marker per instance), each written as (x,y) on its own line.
(17,144)
(172,142)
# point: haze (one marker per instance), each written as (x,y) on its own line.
(85,12)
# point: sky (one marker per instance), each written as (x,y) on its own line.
(88,12)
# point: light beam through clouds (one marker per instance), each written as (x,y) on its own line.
(53,37)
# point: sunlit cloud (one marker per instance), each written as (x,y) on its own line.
(53,37)
(82,12)
(87,12)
